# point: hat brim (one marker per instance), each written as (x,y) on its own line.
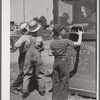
(53,33)
(34,30)
(22,26)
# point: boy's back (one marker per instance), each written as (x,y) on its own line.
(59,46)
(32,52)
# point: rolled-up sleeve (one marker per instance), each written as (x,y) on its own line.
(69,42)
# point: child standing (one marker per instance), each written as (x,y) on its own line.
(60,75)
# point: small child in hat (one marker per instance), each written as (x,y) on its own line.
(60,75)
(16,87)
(33,29)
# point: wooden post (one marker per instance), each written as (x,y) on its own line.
(55,11)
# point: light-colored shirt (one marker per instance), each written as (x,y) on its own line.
(29,46)
(23,39)
(38,41)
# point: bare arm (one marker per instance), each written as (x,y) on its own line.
(79,39)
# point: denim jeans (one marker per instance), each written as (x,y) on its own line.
(60,78)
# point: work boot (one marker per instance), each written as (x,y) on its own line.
(50,90)
(24,95)
(14,91)
(42,93)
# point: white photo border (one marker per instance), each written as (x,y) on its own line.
(5,54)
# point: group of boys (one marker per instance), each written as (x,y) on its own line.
(30,61)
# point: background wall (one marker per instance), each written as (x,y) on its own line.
(33,8)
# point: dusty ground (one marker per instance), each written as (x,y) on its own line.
(48,61)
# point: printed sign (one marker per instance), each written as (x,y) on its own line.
(85,77)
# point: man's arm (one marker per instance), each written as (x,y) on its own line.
(73,43)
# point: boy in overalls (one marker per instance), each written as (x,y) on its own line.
(33,61)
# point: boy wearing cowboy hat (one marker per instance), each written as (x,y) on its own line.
(32,62)
(60,75)
(33,28)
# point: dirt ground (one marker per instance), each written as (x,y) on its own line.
(48,61)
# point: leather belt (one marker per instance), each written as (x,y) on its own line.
(61,57)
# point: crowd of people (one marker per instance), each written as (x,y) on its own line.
(30,62)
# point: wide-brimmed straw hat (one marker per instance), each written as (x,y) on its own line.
(33,26)
(22,26)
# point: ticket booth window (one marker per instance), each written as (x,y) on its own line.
(78,12)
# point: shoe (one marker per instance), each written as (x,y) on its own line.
(14,91)
(24,95)
(19,90)
(42,93)
(50,90)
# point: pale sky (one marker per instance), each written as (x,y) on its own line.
(33,8)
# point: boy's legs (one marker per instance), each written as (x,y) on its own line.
(29,66)
(28,71)
(64,79)
(17,85)
(55,80)
(40,76)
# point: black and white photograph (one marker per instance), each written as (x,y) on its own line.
(53,49)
